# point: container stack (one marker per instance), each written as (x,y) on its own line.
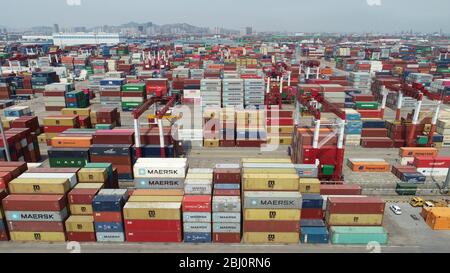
(211,92)
(110,92)
(98,66)
(360,81)
(55,96)
(233,93)
(4,235)
(226,215)
(133,96)
(254,92)
(39,80)
(197,206)
(197,218)
(157,87)
(107,207)
(84,115)
(10,171)
(77,99)
(356,220)
(280,126)
(94,82)
(250,128)
(443,128)
(36,209)
(353,127)
(54,125)
(155,215)
(106,117)
(227,130)
(272,203)
(211,126)
(312,227)
(114,146)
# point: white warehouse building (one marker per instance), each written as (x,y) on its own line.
(68,39)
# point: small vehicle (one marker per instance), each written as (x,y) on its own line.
(396,209)
(428,204)
(417,202)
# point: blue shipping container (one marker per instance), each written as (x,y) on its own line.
(107,203)
(109,227)
(197,237)
(312,201)
(312,223)
(314,235)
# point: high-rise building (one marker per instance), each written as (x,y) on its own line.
(248,31)
(56,28)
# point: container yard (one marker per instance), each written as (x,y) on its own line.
(154,140)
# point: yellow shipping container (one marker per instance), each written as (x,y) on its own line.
(211,143)
(83,209)
(76,223)
(287,140)
(309,185)
(156,198)
(42,138)
(281,182)
(89,186)
(271,237)
(59,121)
(269,171)
(199,176)
(94,175)
(158,192)
(280,129)
(152,211)
(6,124)
(38,236)
(272,214)
(51,135)
(84,112)
(266,160)
(39,186)
(354,219)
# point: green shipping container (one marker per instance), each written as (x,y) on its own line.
(77,162)
(422,140)
(130,104)
(327,169)
(134,87)
(367,105)
(358,235)
(103,126)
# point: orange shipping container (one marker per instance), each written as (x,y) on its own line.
(439,218)
(417,151)
(374,167)
(71,142)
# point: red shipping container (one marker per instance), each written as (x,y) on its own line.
(370,113)
(113,137)
(363,98)
(250,143)
(81,236)
(108,216)
(36,226)
(152,225)
(312,214)
(280,122)
(355,205)
(271,226)
(227,143)
(279,113)
(81,196)
(377,142)
(343,189)
(56,129)
(226,193)
(21,166)
(432,162)
(154,237)
(22,202)
(196,203)
(227,238)
(4,236)
(382,132)
(227,176)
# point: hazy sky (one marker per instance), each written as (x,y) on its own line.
(262,15)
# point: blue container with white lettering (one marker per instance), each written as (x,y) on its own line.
(416,178)
(197,237)
(374,124)
(107,203)
(312,201)
(220,186)
(314,235)
(109,227)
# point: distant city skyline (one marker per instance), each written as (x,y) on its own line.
(384,16)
